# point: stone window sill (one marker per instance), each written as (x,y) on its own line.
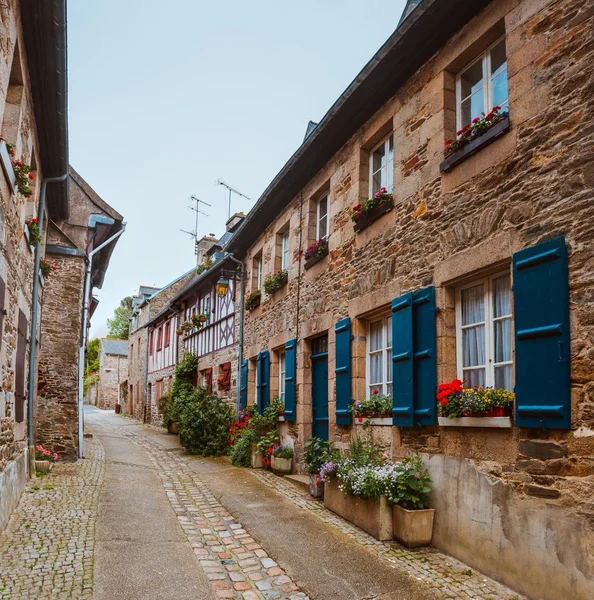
(497,131)
(497,422)
(7,165)
(375,421)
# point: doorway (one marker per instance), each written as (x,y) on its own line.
(319,387)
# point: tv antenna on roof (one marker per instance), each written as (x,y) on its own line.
(231,190)
(196,209)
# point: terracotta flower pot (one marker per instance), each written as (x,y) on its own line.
(413,527)
(172,428)
(498,411)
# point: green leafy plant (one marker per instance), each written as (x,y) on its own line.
(455,402)
(268,441)
(46,268)
(205,423)
(409,489)
(162,402)
(318,249)
(34,232)
(377,405)
(276,281)
(241,450)
(181,390)
(282,452)
(278,406)
(253,300)
(360,210)
(315,454)
(23,175)
(207,264)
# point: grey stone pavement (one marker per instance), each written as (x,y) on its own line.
(139,519)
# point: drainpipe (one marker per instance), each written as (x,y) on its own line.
(83,344)
(34,316)
(241,318)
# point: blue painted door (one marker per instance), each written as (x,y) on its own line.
(319,388)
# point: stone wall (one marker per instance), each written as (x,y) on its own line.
(532,184)
(56,416)
(16,256)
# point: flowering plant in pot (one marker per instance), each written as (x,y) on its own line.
(46,268)
(315,454)
(204,266)
(478,127)
(266,446)
(364,208)
(276,281)
(34,233)
(377,406)
(316,250)
(44,459)
(455,401)
(253,300)
(23,175)
(282,459)
(186,327)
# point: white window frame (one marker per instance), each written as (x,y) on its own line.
(259,272)
(386,144)
(322,235)
(386,352)
(285,250)
(485,58)
(489,328)
(282,375)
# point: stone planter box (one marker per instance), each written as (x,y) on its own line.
(413,528)
(281,466)
(454,159)
(308,264)
(376,421)
(43,466)
(373,516)
(317,491)
(255,304)
(373,215)
(475,422)
(256,458)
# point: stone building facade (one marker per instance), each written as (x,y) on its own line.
(148,303)
(113,369)
(424,293)
(33,135)
(90,223)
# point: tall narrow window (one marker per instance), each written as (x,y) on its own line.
(484,333)
(381,166)
(167,333)
(282,372)
(322,218)
(257,272)
(379,357)
(285,251)
(160,338)
(482,85)
(150,342)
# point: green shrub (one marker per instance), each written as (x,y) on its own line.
(181,391)
(241,451)
(315,455)
(204,424)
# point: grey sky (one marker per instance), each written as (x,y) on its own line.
(167,97)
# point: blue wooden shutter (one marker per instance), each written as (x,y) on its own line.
(290,376)
(258,380)
(402,361)
(244,383)
(264,391)
(541,320)
(343,371)
(424,356)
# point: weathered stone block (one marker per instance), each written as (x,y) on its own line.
(542,450)
(541,492)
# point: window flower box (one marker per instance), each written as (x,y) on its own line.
(276,281)
(373,515)
(369,211)
(376,421)
(375,410)
(469,142)
(501,422)
(315,253)
(253,300)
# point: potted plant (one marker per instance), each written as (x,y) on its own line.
(369,211)
(375,410)
(202,318)
(253,300)
(268,442)
(34,233)
(315,454)
(276,281)
(23,176)
(409,494)
(186,327)
(316,252)
(279,408)
(44,459)
(282,460)
(207,264)
(46,268)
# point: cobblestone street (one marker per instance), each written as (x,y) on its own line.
(72,535)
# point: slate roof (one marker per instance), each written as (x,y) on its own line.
(117,347)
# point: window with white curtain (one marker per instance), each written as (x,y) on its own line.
(482,85)
(282,373)
(381,166)
(285,251)
(484,333)
(379,356)
(257,272)
(322,218)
